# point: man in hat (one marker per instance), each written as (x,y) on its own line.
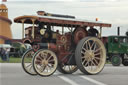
(93,32)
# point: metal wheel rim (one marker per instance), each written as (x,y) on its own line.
(93,55)
(45,65)
(27,62)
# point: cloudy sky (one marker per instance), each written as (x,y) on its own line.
(110,11)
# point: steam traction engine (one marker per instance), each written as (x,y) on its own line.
(67,49)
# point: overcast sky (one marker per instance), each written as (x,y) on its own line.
(110,11)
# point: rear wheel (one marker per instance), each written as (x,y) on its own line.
(90,55)
(116,60)
(125,62)
(67,66)
(45,62)
(27,62)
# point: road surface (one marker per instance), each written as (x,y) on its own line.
(13,74)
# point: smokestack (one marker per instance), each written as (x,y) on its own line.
(118,31)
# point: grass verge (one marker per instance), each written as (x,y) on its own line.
(11,60)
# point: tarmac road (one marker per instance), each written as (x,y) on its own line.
(13,74)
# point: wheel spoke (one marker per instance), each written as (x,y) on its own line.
(94,47)
(89,45)
(42,55)
(28,65)
(82,52)
(83,57)
(93,44)
(30,68)
(38,61)
(47,68)
(38,58)
(91,66)
(84,61)
(86,46)
(93,63)
(98,49)
(87,63)
(50,66)
(42,68)
(83,49)
(96,61)
(97,58)
(49,58)
(99,53)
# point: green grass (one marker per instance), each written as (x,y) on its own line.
(12,60)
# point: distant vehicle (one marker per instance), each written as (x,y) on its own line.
(5,46)
(16,49)
(117,50)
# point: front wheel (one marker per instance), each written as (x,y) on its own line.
(116,60)
(45,62)
(90,55)
(27,62)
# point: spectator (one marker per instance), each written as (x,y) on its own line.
(0,52)
(7,54)
(3,56)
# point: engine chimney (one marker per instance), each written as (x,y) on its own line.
(118,31)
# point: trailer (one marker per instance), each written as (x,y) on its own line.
(67,49)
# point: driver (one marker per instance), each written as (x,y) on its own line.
(93,32)
(46,34)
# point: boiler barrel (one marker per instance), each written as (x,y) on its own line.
(49,46)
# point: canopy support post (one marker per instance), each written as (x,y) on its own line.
(22,28)
(62,30)
(33,29)
(100,32)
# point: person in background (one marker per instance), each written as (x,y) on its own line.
(93,32)
(7,53)
(0,52)
(3,56)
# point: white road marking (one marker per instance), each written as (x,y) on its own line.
(92,80)
(68,80)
